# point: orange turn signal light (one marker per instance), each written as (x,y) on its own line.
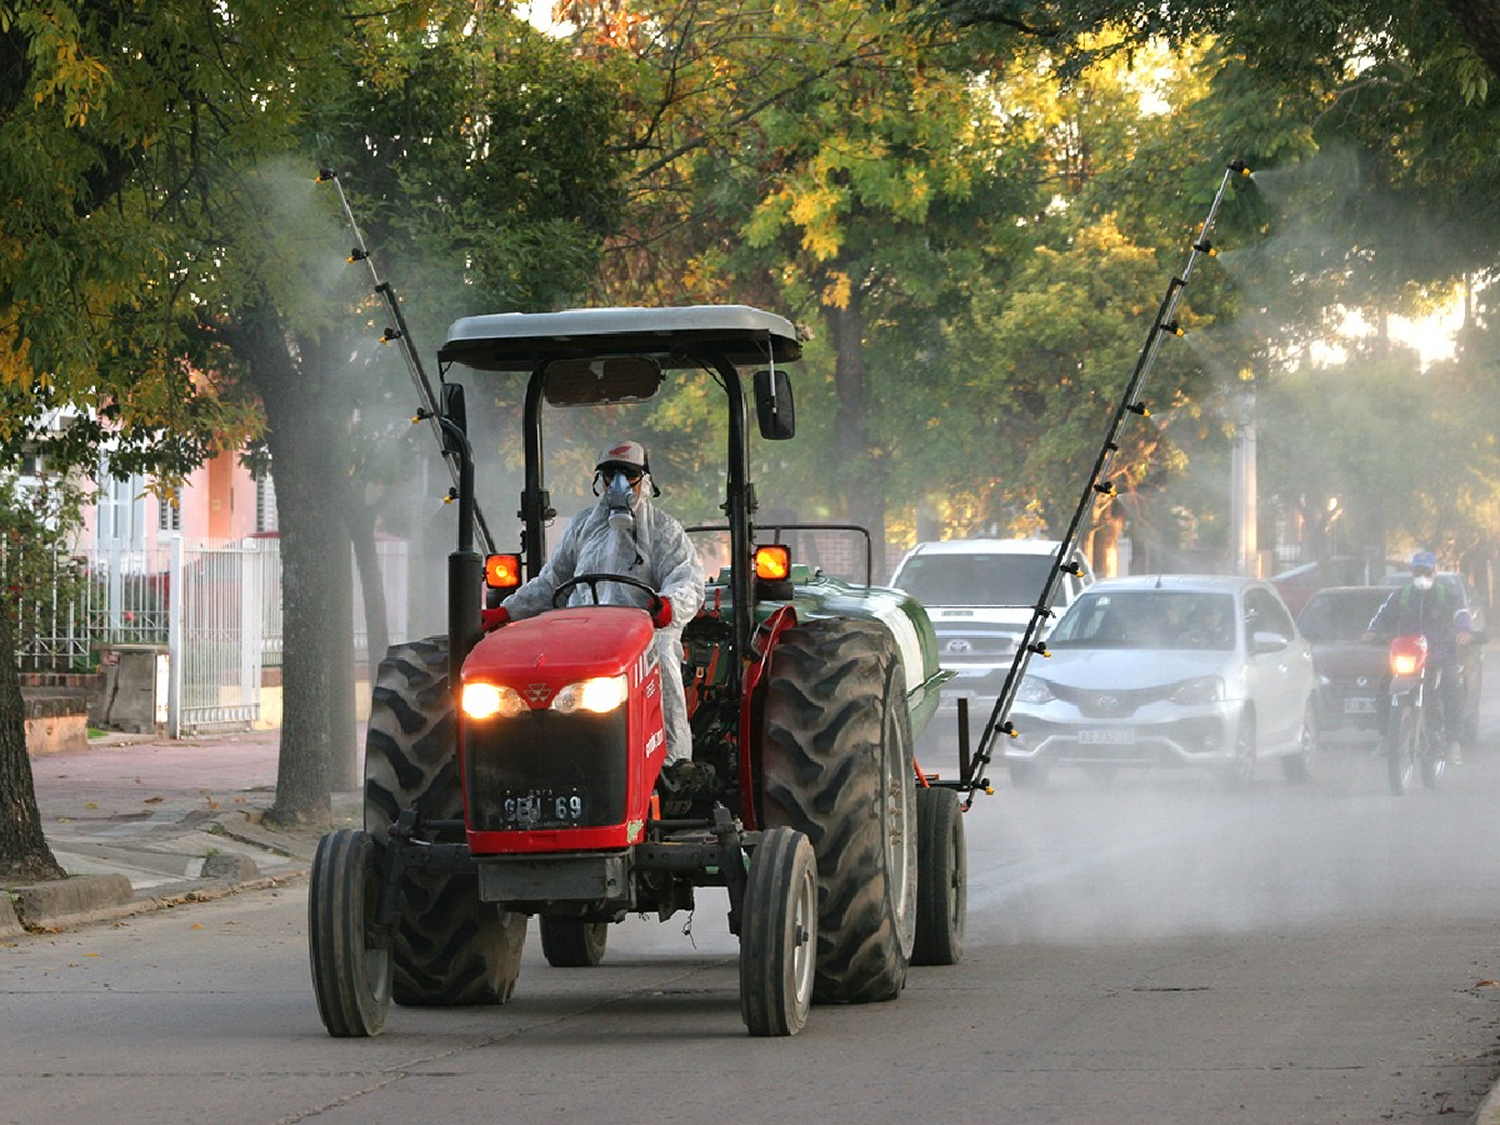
(773,561)
(502,572)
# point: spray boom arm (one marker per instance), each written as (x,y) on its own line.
(398,333)
(1099,484)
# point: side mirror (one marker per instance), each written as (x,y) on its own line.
(1263,642)
(454,410)
(773,405)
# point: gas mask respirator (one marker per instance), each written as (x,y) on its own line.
(621,500)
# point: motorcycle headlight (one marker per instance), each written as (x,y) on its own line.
(1034,689)
(600,695)
(1200,689)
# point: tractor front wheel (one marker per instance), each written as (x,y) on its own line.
(351,968)
(779,934)
(449,947)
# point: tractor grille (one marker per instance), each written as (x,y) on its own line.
(546,770)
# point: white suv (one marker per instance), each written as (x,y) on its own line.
(980,594)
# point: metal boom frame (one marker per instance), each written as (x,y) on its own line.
(1098,484)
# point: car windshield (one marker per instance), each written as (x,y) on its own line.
(1340,615)
(1149,619)
(980,579)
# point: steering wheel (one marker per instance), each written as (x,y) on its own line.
(560,595)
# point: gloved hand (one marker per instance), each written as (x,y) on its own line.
(492,619)
(661,612)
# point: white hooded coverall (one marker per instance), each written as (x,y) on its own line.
(656,551)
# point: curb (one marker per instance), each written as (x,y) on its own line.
(65,904)
(83,898)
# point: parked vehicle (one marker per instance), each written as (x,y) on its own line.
(1352,672)
(1173,670)
(980,595)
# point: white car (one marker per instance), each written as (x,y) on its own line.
(1169,670)
(980,595)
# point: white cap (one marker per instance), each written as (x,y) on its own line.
(625,454)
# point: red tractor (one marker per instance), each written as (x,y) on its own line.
(515,774)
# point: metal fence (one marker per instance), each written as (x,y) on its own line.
(219,634)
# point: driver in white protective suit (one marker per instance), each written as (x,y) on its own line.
(626,534)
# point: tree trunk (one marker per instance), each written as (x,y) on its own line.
(860,474)
(371,581)
(317,735)
(24,854)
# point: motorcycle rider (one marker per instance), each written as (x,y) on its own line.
(625,533)
(1425,606)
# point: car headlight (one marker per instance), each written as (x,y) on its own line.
(489,701)
(1200,689)
(600,695)
(1034,689)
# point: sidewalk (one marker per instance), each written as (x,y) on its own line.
(141,823)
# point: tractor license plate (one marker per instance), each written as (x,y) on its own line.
(524,809)
(1108,736)
(1359,705)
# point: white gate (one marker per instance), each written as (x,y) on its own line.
(214,636)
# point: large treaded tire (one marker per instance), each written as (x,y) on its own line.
(450,948)
(836,765)
(942,878)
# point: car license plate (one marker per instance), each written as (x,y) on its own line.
(1359,705)
(1107,736)
(522,809)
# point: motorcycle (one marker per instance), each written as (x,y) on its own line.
(1414,742)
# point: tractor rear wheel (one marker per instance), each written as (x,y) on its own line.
(449,948)
(942,878)
(778,937)
(568,943)
(351,976)
(836,765)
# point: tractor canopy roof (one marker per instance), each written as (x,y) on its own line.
(685,336)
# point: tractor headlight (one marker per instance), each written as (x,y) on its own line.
(487,701)
(600,695)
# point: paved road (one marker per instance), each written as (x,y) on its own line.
(1153,952)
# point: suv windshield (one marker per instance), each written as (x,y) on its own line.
(991,579)
(1152,619)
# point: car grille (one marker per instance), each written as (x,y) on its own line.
(1095,704)
(547,770)
(972,647)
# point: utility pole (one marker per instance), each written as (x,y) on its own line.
(1244,503)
